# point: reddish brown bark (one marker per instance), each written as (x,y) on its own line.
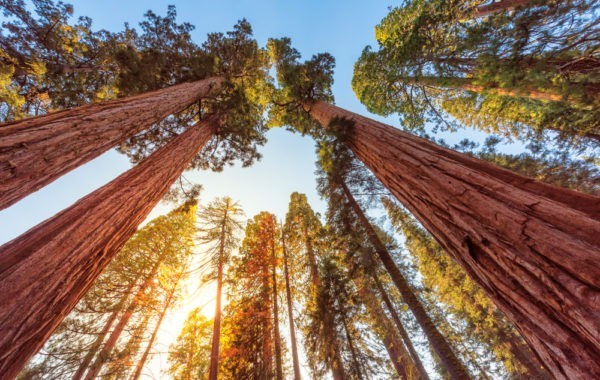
(45,271)
(438,343)
(288,293)
(38,150)
(498,6)
(533,247)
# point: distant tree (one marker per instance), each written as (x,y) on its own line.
(219,224)
(189,357)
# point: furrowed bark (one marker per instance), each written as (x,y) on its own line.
(533,247)
(38,150)
(437,341)
(45,271)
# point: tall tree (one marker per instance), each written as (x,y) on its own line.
(481,215)
(189,356)
(466,300)
(36,151)
(219,224)
(403,160)
(249,324)
(288,293)
(49,268)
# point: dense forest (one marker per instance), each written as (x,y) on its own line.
(431,260)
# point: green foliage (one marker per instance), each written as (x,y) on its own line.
(167,241)
(189,356)
(510,59)
(300,84)
(238,107)
(458,294)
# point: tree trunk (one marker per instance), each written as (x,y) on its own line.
(36,151)
(439,344)
(467,84)
(106,351)
(216,338)
(533,247)
(140,364)
(277,336)
(45,271)
(288,292)
(353,352)
(400,326)
(100,338)
(498,6)
(399,356)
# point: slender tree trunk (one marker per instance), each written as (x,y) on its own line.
(38,150)
(533,247)
(467,84)
(288,292)
(439,344)
(353,352)
(140,364)
(45,271)
(216,338)
(399,356)
(498,6)
(400,326)
(114,336)
(100,338)
(278,362)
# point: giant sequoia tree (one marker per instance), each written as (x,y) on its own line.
(507,231)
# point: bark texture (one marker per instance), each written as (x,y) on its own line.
(438,343)
(277,336)
(45,271)
(36,151)
(533,247)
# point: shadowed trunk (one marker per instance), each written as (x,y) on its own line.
(400,326)
(533,247)
(36,151)
(399,356)
(353,353)
(288,292)
(45,271)
(437,341)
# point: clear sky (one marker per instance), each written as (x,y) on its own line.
(342,28)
